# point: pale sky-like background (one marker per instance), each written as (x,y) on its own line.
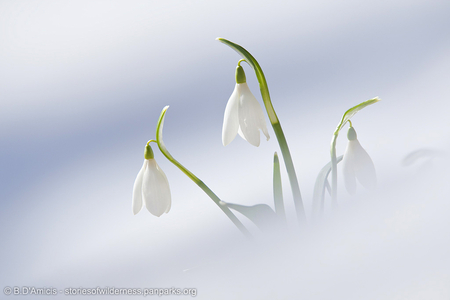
(82,84)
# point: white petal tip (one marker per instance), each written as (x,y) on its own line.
(254,143)
(265,132)
(136,210)
(156,213)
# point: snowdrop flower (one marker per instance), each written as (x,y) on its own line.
(151,187)
(357,164)
(243,114)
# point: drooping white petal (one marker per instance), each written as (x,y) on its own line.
(348,171)
(137,190)
(357,164)
(364,168)
(230,119)
(241,134)
(251,116)
(155,189)
(263,127)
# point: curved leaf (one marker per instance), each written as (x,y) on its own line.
(320,186)
(262,215)
(416,155)
(277,188)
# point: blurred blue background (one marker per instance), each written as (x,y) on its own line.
(83,84)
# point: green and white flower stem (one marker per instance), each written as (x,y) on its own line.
(334,168)
(201,184)
(276,127)
(334,171)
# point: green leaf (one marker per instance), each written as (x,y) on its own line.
(320,186)
(277,188)
(424,154)
(262,215)
(352,111)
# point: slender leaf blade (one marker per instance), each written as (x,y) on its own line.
(277,188)
(320,187)
(262,215)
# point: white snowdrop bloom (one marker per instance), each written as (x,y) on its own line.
(243,114)
(357,164)
(151,187)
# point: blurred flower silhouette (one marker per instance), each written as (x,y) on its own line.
(357,164)
(243,114)
(151,187)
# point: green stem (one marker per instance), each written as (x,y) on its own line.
(194,178)
(334,171)
(276,127)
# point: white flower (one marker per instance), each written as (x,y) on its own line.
(152,188)
(243,114)
(357,164)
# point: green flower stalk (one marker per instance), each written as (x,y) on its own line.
(203,186)
(275,125)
